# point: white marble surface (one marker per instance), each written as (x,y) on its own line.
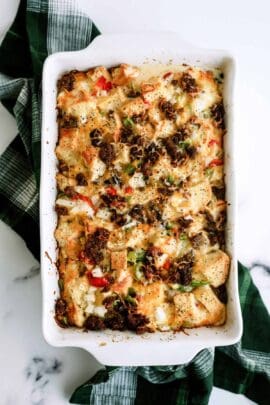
(31,371)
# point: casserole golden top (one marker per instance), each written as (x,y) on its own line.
(141,198)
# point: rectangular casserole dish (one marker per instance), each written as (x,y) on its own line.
(127,348)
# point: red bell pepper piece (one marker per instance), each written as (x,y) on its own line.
(97,281)
(213,142)
(111,191)
(167,264)
(146,101)
(128,190)
(84,198)
(103,84)
(167,75)
(216,162)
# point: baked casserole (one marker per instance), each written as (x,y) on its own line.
(141,198)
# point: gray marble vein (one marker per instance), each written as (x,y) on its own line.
(261,265)
(38,373)
(33,271)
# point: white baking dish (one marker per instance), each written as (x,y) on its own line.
(127,348)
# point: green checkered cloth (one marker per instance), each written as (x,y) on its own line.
(41,28)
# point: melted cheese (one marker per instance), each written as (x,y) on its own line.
(137,180)
(97,272)
(98,169)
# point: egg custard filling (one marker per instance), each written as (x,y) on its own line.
(141,198)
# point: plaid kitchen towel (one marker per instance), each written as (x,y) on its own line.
(41,28)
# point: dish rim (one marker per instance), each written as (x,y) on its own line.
(161,44)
